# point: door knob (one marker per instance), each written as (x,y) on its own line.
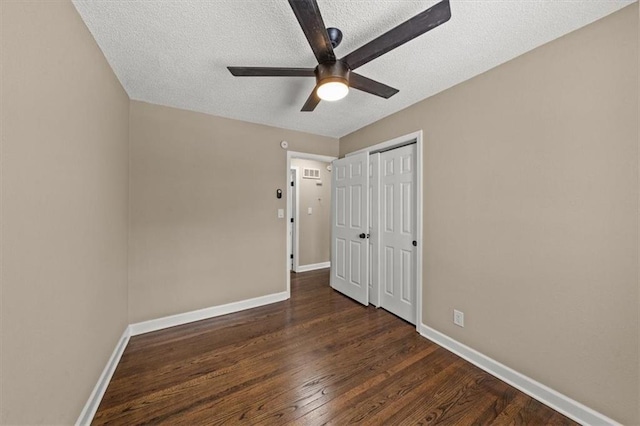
(363,235)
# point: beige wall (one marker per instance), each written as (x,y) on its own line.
(530,212)
(204,229)
(64,126)
(314,237)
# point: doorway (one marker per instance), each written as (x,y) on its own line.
(377,226)
(308,212)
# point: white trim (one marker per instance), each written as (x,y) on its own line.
(90,408)
(200,314)
(554,399)
(419,229)
(313,266)
(307,156)
(400,141)
(288,208)
(295,214)
(296,221)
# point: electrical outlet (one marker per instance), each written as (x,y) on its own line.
(458,318)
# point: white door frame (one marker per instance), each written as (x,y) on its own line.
(394,143)
(290,156)
(293,211)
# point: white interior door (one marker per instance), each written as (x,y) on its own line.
(349,227)
(398,232)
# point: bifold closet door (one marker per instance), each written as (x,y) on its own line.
(397,226)
(349,227)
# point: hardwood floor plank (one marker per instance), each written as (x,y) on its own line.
(318,358)
(533,413)
(511,409)
(502,401)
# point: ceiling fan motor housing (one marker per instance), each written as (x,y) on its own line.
(332,71)
(335,36)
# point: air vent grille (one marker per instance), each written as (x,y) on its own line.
(311,173)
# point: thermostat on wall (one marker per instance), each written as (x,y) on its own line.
(284,144)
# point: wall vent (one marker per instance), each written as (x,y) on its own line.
(311,173)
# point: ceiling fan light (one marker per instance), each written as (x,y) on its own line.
(332,90)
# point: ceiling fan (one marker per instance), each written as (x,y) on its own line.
(335,76)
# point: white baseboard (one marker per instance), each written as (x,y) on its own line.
(559,402)
(313,267)
(200,314)
(90,408)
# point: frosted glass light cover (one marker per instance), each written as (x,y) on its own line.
(332,91)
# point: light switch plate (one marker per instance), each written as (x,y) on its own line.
(280,213)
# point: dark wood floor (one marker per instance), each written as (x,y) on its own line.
(316,358)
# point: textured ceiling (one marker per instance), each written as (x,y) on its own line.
(175,53)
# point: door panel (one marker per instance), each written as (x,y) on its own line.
(398,213)
(406,266)
(388,270)
(350,252)
(341,268)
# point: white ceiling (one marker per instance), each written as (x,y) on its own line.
(175,53)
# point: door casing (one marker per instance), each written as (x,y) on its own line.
(293,211)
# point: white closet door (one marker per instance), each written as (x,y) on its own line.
(398,232)
(349,227)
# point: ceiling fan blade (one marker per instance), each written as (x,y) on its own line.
(408,30)
(312,102)
(365,84)
(310,20)
(271,72)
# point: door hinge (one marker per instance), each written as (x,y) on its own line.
(292,183)
(291,220)
(291,256)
